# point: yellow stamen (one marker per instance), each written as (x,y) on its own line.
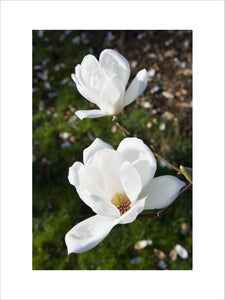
(122,202)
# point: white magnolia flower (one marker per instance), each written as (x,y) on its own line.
(118,185)
(104,82)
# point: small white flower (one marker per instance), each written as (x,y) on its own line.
(104,82)
(118,185)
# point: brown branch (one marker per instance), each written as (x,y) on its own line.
(122,126)
(161,211)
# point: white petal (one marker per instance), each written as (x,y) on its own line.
(108,162)
(131,181)
(140,156)
(73,176)
(133,212)
(145,170)
(136,87)
(104,208)
(89,65)
(97,145)
(94,113)
(85,183)
(87,93)
(162,191)
(112,96)
(88,234)
(114,61)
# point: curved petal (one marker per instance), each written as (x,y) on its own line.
(133,212)
(89,94)
(131,181)
(97,145)
(136,87)
(88,234)
(112,96)
(73,175)
(104,208)
(111,59)
(85,183)
(94,113)
(89,65)
(162,191)
(108,162)
(140,156)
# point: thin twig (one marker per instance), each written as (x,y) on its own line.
(161,211)
(123,127)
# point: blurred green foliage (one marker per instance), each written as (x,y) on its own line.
(56,205)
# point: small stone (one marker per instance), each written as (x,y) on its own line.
(173,255)
(145,104)
(156,89)
(170,53)
(184,91)
(53,95)
(141,35)
(142,244)
(168,115)
(84,38)
(151,73)
(65,145)
(136,260)
(185,228)
(42,76)
(147,48)
(149,124)
(183,64)
(168,42)
(38,67)
(35,90)
(133,64)
(40,33)
(159,254)
(167,95)
(162,265)
(162,126)
(110,36)
(59,66)
(182,252)
(187,72)
(65,135)
(114,129)
(65,80)
(41,105)
(153,55)
(47,85)
(186,43)
(72,139)
(76,40)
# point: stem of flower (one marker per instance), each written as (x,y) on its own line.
(161,211)
(123,127)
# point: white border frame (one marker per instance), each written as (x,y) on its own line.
(18,19)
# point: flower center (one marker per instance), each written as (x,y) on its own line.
(122,202)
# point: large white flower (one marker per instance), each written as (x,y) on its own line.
(104,82)
(118,185)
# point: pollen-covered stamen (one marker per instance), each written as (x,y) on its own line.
(122,202)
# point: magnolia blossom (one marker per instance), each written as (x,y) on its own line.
(117,185)
(104,82)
